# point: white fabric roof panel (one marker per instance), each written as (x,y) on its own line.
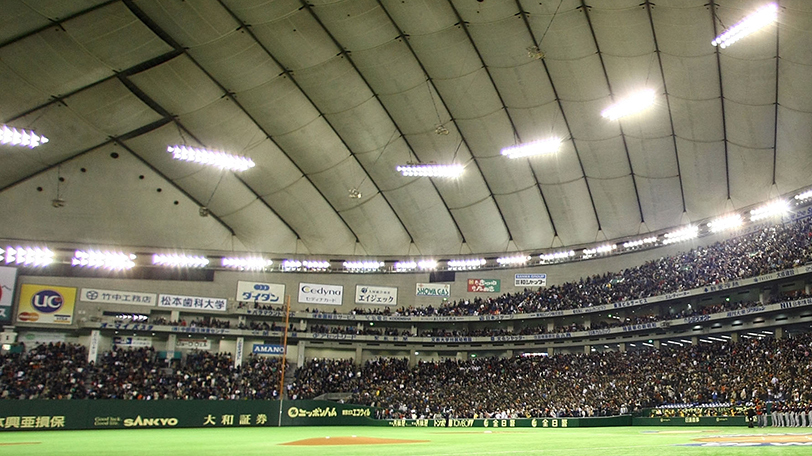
(328,96)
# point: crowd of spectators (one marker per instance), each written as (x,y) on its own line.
(770,249)
(606,383)
(61,371)
(730,374)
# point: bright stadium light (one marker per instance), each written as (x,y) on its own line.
(291,265)
(210,157)
(474,263)
(427,265)
(27,256)
(405,266)
(363,266)
(180,261)
(513,260)
(640,242)
(772,209)
(632,104)
(20,137)
(540,147)
(726,222)
(802,197)
(682,234)
(549,257)
(761,18)
(316,265)
(107,260)
(430,170)
(247,264)
(602,249)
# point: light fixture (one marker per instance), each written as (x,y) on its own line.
(246,264)
(211,157)
(316,265)
(183,261)
(513,260)
(534,52)
(563,255)
(441,130)
(427,265)
(20,137)
(430,170)
(363,266)
(107,260)
(27,256)
(353,193)
(682,234)
(639,242)
(632,104)
(771,209)
(291,265)
(802,197)
(474,263)
(540,147)
(405,266)
(762,17)
(726,222)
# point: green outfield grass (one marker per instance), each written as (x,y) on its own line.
(642,441)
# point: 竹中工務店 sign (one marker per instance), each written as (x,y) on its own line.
(46,304)
(530,280)
(442,290)
(259,292)
(484,285)
(315,293)
(117,297)
(192,302)
(365,294)
(8,277)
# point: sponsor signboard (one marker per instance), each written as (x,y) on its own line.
(442,290)
(530,280)
(365,294)
(193,344)
(484,285)
(192,302)
(46,304)
(133,342)
(315,293)
(268,349)
(117,297)
(8,277)
(265,293)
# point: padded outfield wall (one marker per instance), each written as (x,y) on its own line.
(121,414)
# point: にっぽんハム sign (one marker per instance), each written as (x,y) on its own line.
(484,285)
(46,304)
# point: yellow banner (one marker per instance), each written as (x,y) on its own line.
(46,304)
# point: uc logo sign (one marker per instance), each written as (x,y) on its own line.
(47,301)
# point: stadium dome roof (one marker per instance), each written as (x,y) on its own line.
(329,96)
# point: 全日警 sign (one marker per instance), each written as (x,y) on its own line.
(366,294)
(117,297)
(315,293)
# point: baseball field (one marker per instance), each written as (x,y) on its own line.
(353,441)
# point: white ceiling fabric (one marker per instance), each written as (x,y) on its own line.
(329,96)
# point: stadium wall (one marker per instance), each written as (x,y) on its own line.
(39,415)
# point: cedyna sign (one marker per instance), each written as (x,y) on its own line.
(268,349)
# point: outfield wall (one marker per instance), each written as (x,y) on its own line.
(121,414)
